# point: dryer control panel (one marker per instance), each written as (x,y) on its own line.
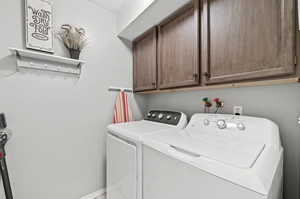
(166,117)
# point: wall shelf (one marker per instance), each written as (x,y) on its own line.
(232,85)
(28,59)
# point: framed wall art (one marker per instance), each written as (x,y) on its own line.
(39,25)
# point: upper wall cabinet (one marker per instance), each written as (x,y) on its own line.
(244,39)
(145,62)
(178,49)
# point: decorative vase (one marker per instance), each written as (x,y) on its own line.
(74,53)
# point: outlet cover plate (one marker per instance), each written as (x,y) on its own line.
(238,110)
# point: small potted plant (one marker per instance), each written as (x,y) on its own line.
(73,38)
(207,104)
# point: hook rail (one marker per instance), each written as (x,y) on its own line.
(119,89)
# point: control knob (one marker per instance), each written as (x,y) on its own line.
(221,124)
(160,116)
(206,122)
(169,117)
(241,126)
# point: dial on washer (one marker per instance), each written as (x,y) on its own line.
(160,116)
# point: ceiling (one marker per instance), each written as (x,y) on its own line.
(112,5)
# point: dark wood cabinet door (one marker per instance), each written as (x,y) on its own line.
(247,39)
(178,49)
(145,62)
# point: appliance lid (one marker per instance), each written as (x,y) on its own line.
(220,147)
(135,130)
(251,157)
(154,121)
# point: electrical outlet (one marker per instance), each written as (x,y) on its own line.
(238,110)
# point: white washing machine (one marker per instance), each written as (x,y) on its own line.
(124,151)
(214,157)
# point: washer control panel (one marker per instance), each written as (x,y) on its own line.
(166,117)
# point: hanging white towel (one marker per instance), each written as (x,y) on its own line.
(122,111)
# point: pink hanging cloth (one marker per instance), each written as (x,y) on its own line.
(122,111)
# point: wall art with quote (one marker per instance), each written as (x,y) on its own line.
(39,25)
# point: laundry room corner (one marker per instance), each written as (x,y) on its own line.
(59,122)
(150,99)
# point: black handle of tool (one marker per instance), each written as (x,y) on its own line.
(4,174)
(3,124)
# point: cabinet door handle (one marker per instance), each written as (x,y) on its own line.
(207,75)
(153,84)
(195,76)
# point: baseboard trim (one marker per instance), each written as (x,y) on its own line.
(96,194)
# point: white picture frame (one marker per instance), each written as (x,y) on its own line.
(39,25)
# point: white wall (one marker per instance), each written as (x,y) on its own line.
(59,125)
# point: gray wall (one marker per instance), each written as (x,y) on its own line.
(59,124)
(278,103)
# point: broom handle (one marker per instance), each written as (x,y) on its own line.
(5,178)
